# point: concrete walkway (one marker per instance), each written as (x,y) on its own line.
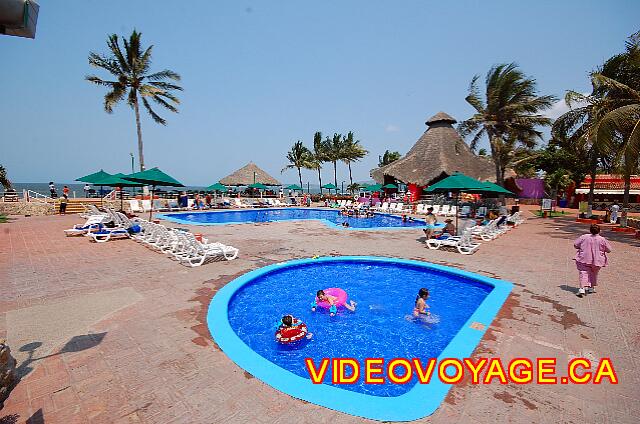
(116,333)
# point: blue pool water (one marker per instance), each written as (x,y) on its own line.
(382,325)
(330,217)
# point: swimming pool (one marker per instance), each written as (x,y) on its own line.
(241,315)
(330,217)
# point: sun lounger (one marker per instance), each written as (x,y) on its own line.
(94,223)
(453,210)
(106,234)
(134,205)
(464,243)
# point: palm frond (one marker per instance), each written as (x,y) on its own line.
(163,75)
(151,112)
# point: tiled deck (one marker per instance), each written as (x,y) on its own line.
(137,349)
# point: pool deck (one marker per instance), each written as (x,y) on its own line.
(116,333)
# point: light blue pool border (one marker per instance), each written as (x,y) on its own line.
(170,217)
(420,401)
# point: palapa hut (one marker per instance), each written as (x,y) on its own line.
(249,174)
(438,153)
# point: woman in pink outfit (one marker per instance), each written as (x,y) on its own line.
(591,256)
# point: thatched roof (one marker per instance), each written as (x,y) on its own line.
(440,151)
(245,176)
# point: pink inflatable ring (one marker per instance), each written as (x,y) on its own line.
(340,294)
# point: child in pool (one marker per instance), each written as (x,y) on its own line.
(289,321)
(421,306)
(322,297)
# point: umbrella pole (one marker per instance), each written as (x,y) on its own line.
(457,213)
(153,189)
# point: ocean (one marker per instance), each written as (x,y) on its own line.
(77,189)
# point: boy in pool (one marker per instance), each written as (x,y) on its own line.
(322,297)
(421,306)
(287,321)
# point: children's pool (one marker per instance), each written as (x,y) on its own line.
(330,217)
(243,314)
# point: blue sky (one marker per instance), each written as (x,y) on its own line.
(259,75)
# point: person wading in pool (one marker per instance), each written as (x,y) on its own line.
(420,307)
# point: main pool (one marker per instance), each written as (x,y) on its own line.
(331,217)
(242,314)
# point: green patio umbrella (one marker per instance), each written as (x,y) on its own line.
(153,177)
(217,187)
(455,183)
(294,187)
(374,187)
(492,188)
(92,178)
(389,186)
(330,187)
(258,186)
(117,180)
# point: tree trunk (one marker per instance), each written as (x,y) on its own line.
(320,179)
(350,177)
(335,173)
(300,177)
(592,186)
(139,128)
(627,187)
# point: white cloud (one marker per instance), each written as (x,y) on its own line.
(559,108)
(391,128)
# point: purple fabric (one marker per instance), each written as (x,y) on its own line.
(532,188)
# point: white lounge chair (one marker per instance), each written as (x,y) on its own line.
(384,207)
(464,243)
(94,223)
(146,205)
(106,234)
(436,209)
(134,205)
(444,210)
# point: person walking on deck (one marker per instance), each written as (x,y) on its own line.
(591,255)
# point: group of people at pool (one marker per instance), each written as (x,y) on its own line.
(291,329)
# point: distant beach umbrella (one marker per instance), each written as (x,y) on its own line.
(294,187)
(389,186)
(218,187)
(374,187)
(258,186)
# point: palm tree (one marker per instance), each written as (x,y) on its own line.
(576,131)
(353,187)
(620,83)
(318,157)
(334,152)
(509,115)
(4,180)
(130,69)
(387,158)
(298,157)
(352,152)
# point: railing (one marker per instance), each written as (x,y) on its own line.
(30,195)
(109,195)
